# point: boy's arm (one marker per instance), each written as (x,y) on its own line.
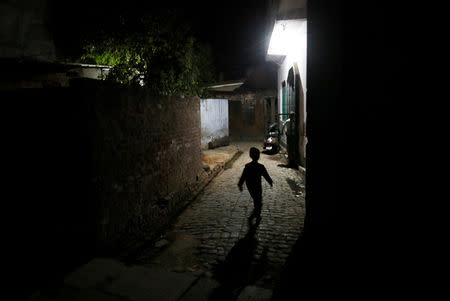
(242,179)
(266,176)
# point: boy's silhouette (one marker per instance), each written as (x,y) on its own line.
(252,177)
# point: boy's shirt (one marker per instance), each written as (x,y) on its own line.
(252,176)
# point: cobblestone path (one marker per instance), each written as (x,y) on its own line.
(217,219)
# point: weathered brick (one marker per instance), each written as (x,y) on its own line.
(149,148)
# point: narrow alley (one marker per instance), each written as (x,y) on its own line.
(209,231)
(127,127)
(210,252)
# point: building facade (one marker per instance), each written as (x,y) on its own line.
(287,48)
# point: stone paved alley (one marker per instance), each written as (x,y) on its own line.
(207,233)
(210,252)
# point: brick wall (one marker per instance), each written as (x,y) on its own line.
(98,168)
(147,161)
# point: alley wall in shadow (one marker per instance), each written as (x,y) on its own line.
(361,239)
(92,170)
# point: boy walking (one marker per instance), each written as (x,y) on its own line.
(252,177)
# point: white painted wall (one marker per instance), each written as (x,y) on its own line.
(214,120)
(296,55)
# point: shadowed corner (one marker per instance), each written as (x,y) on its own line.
(238,269)
(291,276)
(316,269)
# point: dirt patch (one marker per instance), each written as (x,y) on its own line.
(219,156)
(213,159)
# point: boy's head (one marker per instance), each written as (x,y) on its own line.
(254,153)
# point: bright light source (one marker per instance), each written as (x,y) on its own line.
(288,36)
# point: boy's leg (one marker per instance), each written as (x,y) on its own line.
(257,203)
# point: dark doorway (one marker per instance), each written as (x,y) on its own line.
(296,125)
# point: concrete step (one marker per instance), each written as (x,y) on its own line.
(108,279)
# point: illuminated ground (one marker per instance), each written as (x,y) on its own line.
(212,235)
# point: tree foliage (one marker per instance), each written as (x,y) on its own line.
(155,52)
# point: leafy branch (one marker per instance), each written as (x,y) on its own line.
(154,52)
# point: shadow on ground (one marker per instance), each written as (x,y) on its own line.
(239,269)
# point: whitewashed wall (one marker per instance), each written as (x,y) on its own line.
(214,120)
(298,56)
